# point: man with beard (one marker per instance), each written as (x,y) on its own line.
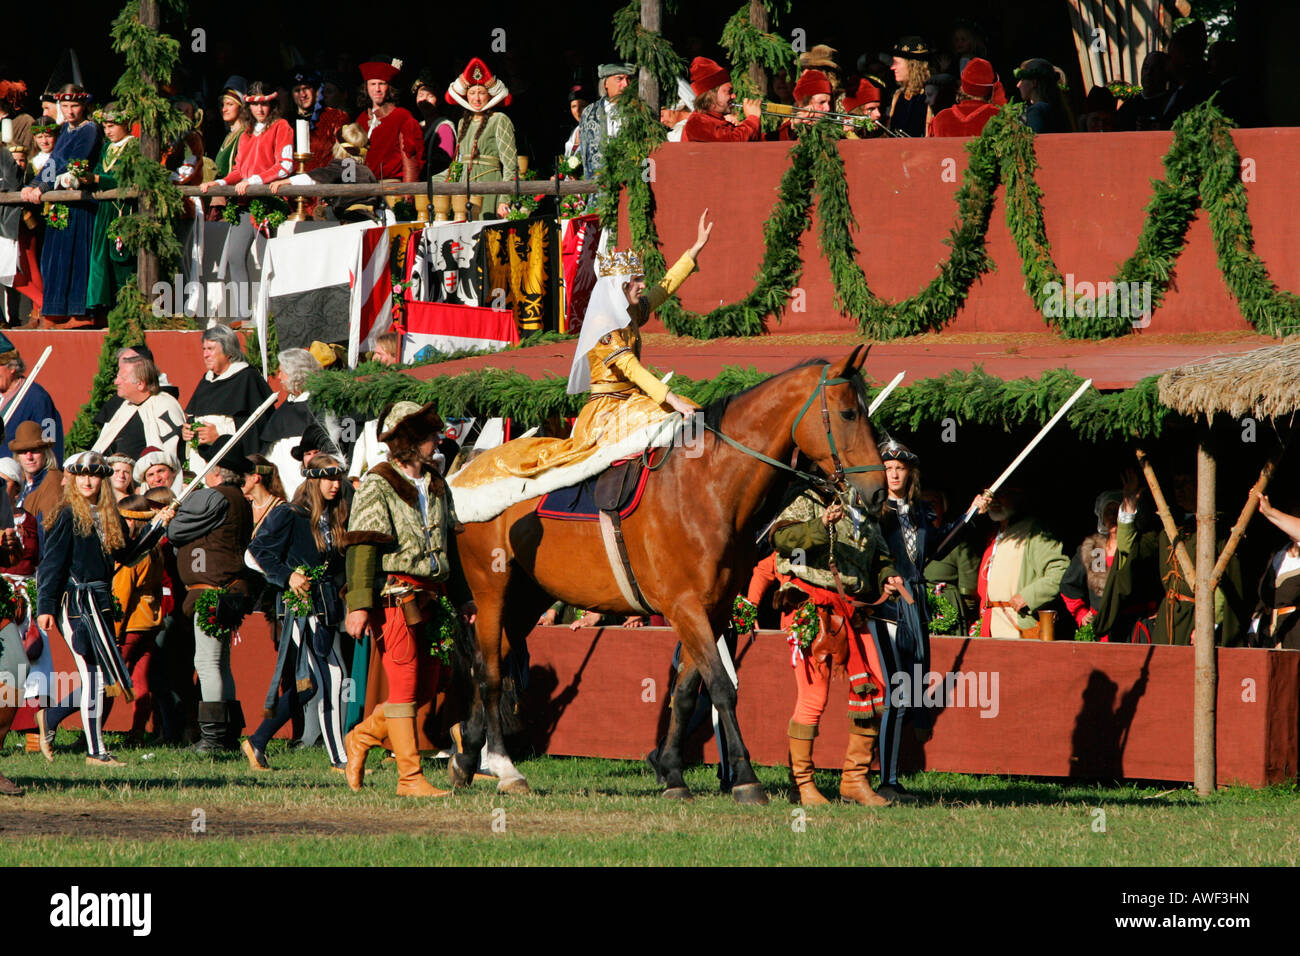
(1021,571)
(714,97)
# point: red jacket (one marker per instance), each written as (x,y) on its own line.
(966,118)
(328,123)
(263,158)
(709,128)
(396,146)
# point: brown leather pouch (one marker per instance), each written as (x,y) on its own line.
(416,608)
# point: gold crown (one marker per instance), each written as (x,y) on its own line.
(626,263)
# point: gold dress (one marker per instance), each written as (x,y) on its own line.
(626,399)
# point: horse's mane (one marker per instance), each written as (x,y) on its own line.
(714,411)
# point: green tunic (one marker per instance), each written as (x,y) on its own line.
(110,267)
(803,547)
(495,157)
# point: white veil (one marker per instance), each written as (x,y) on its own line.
(607,311)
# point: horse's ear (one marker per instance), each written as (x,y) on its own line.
(854,362)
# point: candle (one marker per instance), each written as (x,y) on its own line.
(6,132)
(304,137)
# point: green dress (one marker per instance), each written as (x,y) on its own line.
(111,267)
(487,150)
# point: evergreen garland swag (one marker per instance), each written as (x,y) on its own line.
(967,396)
(1201,168)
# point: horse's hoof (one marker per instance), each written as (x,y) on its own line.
(750,793)
(459,778)
(679,793)
(514,785)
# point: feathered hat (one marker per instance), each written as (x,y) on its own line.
(405,425)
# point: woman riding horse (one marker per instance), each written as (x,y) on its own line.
(627,406)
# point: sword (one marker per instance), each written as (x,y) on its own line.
(884,393)
(231,443)
(27,383)
(992,489)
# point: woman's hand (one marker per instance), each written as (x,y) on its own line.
(636,620)
(701,235)
(165,516)
(588,619)
(502,210)
(46,623)
(276,186)
(31,194)
(1265,508)
(548,618)
(241,187)
(204,187)
(679,404)
(300,584)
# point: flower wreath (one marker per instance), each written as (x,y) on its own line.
(209,620)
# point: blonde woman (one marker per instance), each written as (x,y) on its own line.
(908,111)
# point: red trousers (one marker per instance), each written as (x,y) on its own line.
(411,670)
(137,654)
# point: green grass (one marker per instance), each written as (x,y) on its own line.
(586,811)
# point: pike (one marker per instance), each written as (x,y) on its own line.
(27,383)
(230,443)
(992,489)
(884,393)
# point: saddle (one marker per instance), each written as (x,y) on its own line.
(608,497)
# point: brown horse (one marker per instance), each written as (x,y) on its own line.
(690,543)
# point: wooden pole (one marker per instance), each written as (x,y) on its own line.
(1166,519)
(146,269)
(1204,719)
(758,17)
(1248,512)
(651,22)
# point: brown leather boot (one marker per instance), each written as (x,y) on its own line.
(855,783)
(369,733)
(401,734)
(7,787)
(805,792)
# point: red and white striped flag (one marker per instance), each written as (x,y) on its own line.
(453,328)
(372,293)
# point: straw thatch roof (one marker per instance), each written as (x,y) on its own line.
(1264,383)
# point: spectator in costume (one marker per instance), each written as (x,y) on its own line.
(1193,83)
(309,534)
(156,468)
(1020,573)
(600,122)
(184,156)
(42,479)
(1039,85)
(865,102)
(323,121)
(122,480)
(12,92)
(396,141)
(439,131)
(579,99)
(1274,621)
(65,258)
(1084,582)
(1144,112)
(908,110)
(974,106)
(29,649)
(709,121)
(812,95)
(145,416)
(286,426)
(235,114)
(112,264)
(227,394)
(36,407)
(346,166)
(485,137)
(265,151)
(138,589)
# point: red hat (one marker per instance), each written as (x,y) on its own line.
(478,74)
(378,70)
(978,79)
(811,82)
(867,92)
(707,75)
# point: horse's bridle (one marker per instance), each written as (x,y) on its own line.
(837,479)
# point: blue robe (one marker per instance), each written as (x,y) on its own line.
(65,260)
(38,407)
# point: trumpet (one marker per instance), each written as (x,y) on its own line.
(786,111)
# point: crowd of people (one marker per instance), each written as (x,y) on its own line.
(61,264)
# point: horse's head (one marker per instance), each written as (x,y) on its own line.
(834,431)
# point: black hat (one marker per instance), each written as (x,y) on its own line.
(897,451)
(302,76)
(314,438)
(912,48)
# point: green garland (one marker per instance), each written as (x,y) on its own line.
(963,395)
(447,621)
(744,615)
(297,606)
(1086,632)
(206,616)
(1202,168)
(746,45)
(804,626)
(943,612)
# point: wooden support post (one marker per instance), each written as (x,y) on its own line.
(652,22)
(1166,519)
(758,17)
(1204,719)
(146,268)
(1247,512)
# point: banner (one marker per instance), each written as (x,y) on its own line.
(443,265)
(453,328)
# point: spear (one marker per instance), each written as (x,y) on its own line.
(27,383)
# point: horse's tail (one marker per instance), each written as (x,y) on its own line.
(467,664)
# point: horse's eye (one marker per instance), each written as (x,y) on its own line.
(849,415)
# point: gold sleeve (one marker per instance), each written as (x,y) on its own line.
(656,295)
(622,357)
